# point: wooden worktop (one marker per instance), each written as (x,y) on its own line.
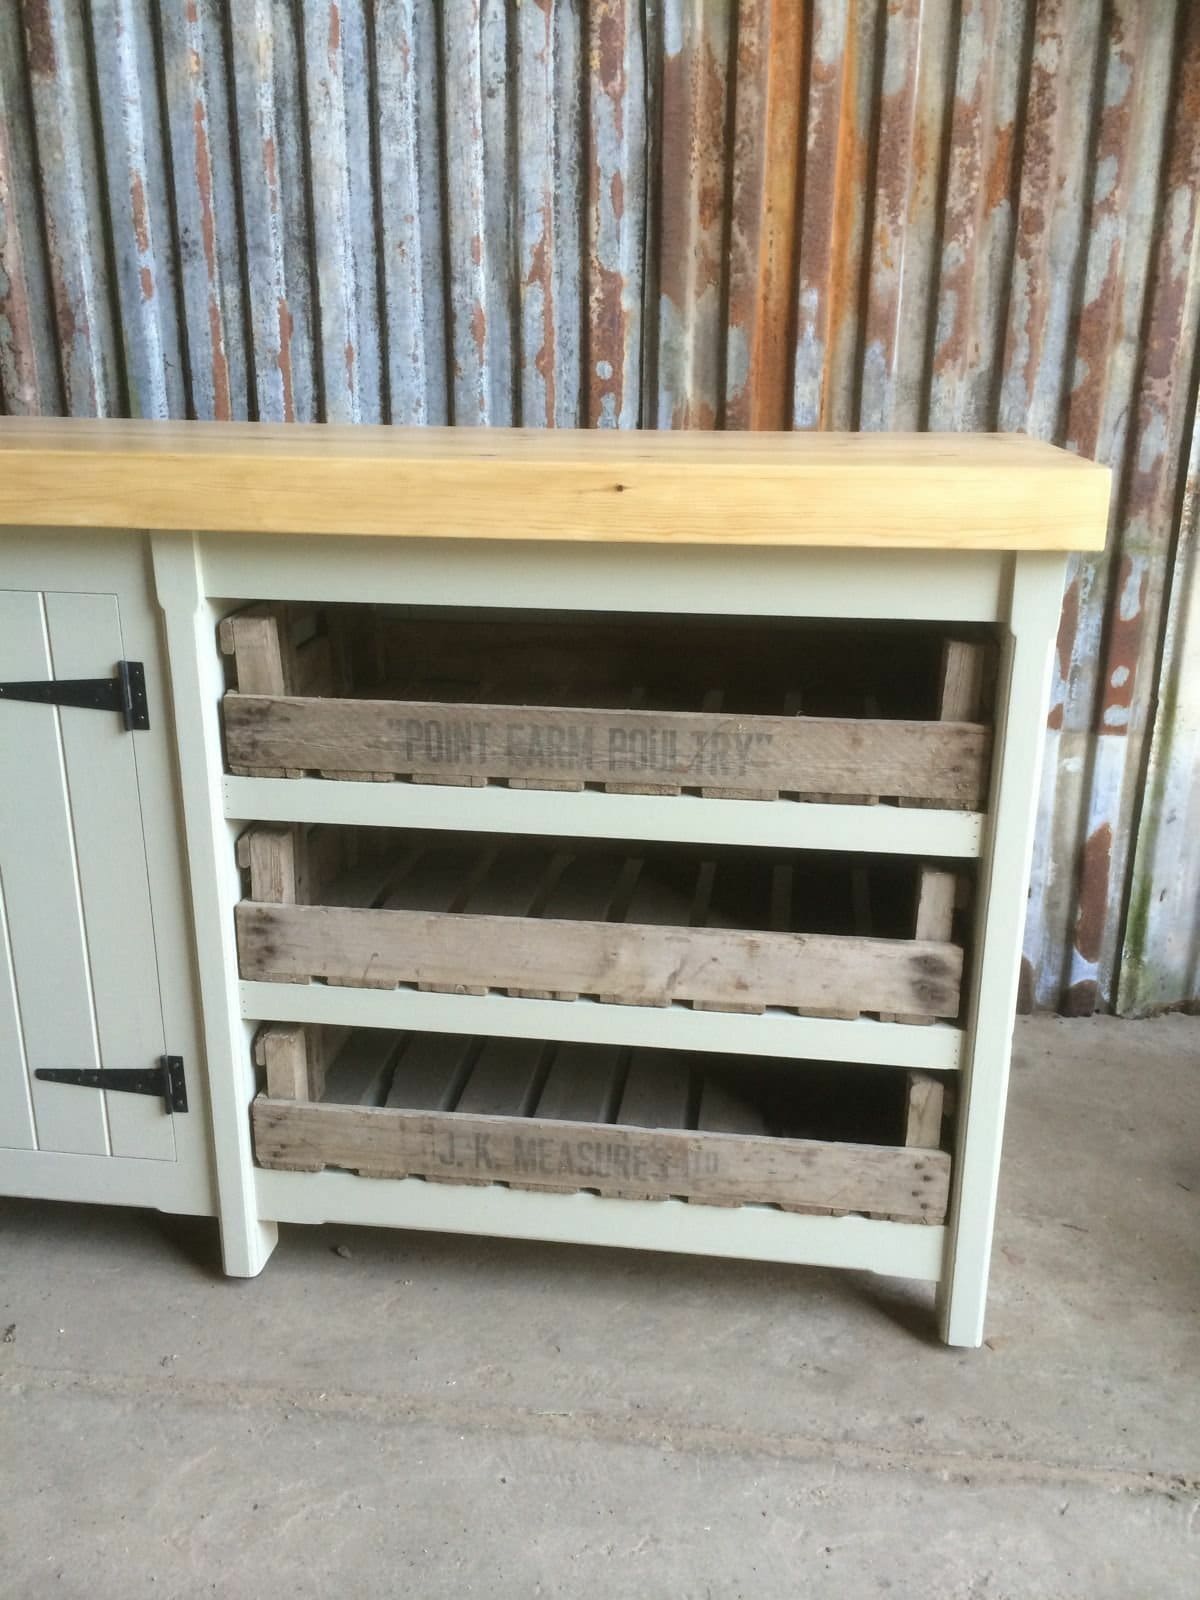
(884,490)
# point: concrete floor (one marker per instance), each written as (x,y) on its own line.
(385,1414)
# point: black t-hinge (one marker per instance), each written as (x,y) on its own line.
(166,1079)
(124,693)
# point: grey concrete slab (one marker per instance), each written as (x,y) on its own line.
(455,1416)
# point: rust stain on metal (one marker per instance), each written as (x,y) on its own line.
(615,135)
(1099,324)
(65,321)
(799,276)
(1068,626)
(849,158)
(691,254)
(1026,988)
(769,99)
(1093,897)
(39,38)
(1037,182)
(980,177)
(1121,659)
(610,57)
(284,359)
(1152,478)
(222,407)
(997,185)
(18,363)
(899,152)
(693,136)
(608,326)
(137,202)
(222,397)
(1081,999)
(541,276)
(827,291)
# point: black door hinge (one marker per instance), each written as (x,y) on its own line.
(124,693)
(166,1079)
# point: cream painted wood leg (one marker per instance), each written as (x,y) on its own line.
(1034,607)
(196,687)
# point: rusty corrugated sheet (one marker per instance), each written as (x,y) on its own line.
(1161,959)
(676,213)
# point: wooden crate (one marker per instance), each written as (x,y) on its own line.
(723,710)
(640,1124)
(728,930)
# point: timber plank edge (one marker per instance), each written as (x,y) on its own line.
(904,1184)
(903,491)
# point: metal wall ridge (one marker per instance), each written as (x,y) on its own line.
(945,214)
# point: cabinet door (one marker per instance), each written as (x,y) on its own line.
(79,979)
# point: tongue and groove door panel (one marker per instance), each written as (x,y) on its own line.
(79,983)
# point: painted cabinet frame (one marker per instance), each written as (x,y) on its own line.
(117,565)
(199,577)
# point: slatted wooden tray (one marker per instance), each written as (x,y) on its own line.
(635,706)
(721,929)
(640,1124)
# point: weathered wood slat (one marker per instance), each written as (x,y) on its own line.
(583,1083)
(636,701)
(442,879)
(923,1118)
(941,762)
(647,900)
(645,965)
(296,1058)
(504,1081)
(583,887)
(781,914)
(430,1073)
(703,915)
(794,707)
(368,882)
(711,705)
(282,1052)
(911,1185)
(656,1095)
(422,688)
(268,853)
(724,1111)
(259,639)
(657,1090)
(254,639)
(721,1110)
(545,883)
(532,692)
(961,695)
(362,1071)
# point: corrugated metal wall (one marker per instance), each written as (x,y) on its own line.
(675,213)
